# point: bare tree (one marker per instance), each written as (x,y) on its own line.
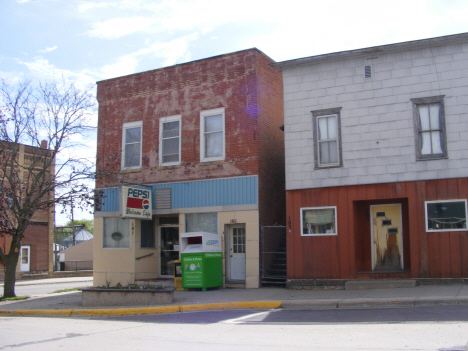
(41,128)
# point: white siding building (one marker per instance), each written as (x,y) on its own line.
(371,132)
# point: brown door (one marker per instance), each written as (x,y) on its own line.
(386,235)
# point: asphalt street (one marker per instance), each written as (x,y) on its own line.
(416,328)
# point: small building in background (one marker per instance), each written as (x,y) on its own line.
(81,235)
(78,257)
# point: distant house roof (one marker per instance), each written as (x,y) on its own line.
(80,235)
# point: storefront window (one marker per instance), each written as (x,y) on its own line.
(146,234)
(445,216)
(201,222)
(318,221)
(116,233)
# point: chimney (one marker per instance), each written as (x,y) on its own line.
(44,144)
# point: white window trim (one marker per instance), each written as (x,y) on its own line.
(161,122)
(319,208)
(320,164)
(203,114)
(444,230)
(125,127)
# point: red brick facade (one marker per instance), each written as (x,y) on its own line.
(37,237)
(242,83)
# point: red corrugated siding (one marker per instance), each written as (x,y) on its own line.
(347,255)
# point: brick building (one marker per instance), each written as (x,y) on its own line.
(36,247)
(376,144)
(204,137)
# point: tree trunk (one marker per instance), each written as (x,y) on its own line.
(10,276)
(10,262)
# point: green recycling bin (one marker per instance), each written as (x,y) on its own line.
(201,260)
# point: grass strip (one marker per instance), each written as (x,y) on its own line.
(13,298)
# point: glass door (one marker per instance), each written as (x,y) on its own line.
(237,253)
(169,249)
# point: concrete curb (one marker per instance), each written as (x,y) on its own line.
(287,304)
(138,311)
(374,302)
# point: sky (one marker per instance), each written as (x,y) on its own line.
(88,41)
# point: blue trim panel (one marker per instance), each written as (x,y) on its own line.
(202,193)
(110,200)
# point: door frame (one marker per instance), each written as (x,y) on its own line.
(228,242)
(372,233)
(28,247)
(158,237)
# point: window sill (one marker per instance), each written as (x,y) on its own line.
(171,166)
(327,167)
(131,170)
(320,234)
(211,162)
(432,158)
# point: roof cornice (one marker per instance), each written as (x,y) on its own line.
(407,45)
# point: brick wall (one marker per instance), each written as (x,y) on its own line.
(37,237)
(40,234)
(272,195)
(230,81)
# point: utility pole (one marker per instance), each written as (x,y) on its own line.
(73,221)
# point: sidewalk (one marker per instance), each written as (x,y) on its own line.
(70,303)
(50,281)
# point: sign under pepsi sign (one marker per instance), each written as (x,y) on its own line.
(136,203)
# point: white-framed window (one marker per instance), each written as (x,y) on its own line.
(318,221)
(131,145)
(327,149)
(429,119)
(116,233)
(212,135)
(169,140)
(445,215)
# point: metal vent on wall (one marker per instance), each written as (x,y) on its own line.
(162,199)
(368,71)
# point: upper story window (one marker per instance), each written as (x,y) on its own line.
(169,140)
(328,139)
(131,145)
(212,135)
(429,119)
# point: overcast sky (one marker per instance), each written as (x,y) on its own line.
(88,41)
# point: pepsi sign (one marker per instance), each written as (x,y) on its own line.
(136,203)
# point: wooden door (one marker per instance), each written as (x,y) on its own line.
(386,235)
